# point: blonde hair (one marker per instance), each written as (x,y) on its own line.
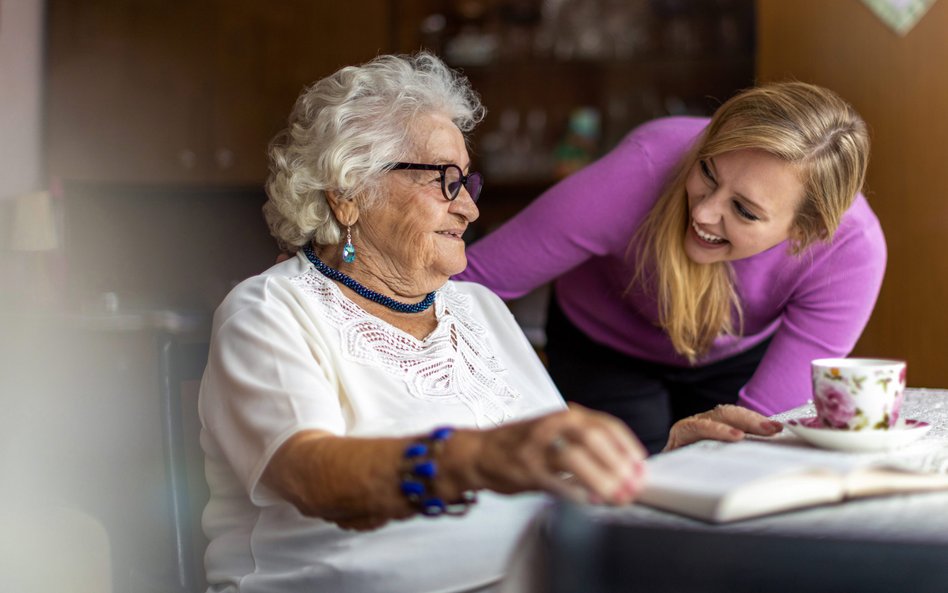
(345,130)
(808,127)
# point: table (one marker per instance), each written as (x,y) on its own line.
(892,543)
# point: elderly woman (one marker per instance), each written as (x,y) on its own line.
(353,384)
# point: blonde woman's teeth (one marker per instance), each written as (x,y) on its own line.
(706,236)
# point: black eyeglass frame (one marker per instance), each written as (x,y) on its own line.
(442,169)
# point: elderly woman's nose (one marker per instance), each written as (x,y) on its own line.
(464,206)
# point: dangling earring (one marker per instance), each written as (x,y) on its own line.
(348,250)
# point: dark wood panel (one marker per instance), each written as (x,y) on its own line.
(265,54)
(125,82)
(190,92)
(899,86)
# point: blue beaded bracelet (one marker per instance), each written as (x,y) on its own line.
(419,472)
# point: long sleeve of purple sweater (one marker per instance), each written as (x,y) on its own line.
(577,235)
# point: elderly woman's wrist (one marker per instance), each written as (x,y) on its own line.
(460,463)
(433,476)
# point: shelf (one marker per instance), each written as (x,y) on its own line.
(663,61)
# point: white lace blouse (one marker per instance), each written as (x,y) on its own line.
(290,352)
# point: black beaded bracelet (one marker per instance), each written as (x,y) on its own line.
(419,472)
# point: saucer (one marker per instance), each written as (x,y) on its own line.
(813,431)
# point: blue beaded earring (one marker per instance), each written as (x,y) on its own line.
(348,250)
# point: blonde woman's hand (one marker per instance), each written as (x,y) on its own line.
(577,453)
(723,423)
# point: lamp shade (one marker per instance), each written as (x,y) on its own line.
(33,226)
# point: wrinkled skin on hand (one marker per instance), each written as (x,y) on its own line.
(601,456)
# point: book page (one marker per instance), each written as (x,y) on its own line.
(876,481)
(718,468)
(723,482)
(919,467)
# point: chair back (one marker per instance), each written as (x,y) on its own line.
(181,364)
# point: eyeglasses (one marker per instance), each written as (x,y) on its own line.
(452,178)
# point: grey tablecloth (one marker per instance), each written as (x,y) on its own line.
(917,525)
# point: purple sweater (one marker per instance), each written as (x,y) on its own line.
(578,232)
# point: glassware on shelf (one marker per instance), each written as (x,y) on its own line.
(626,27)
(590,30)
(579,33)
(581,142)
(633,60)
(432,31)
(539,152)
(684,35)
(471,47)
(594,29)
(475,44)
(547,31)
(519,20)
(518,148)
(496,147)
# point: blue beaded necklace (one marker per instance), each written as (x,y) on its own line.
(364,292)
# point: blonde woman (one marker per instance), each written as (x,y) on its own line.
(702,261)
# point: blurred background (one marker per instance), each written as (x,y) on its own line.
(133,138)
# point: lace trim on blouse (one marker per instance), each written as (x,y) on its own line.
(454,361)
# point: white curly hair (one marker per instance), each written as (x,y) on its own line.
(345,129)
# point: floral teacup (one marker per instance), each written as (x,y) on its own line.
(858,393)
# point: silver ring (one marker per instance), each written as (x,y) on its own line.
(558,445)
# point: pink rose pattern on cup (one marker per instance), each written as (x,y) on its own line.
(897,404)
(834,405)
(837,408)
(899,397)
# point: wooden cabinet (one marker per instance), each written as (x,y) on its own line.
(189,92)
(149,91)
(122,99)
(898,84)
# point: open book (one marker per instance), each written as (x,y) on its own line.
(721,482)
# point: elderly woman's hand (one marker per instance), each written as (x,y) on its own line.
(723,423)
(578,453)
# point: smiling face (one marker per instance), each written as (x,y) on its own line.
(411,236)
(741,203)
